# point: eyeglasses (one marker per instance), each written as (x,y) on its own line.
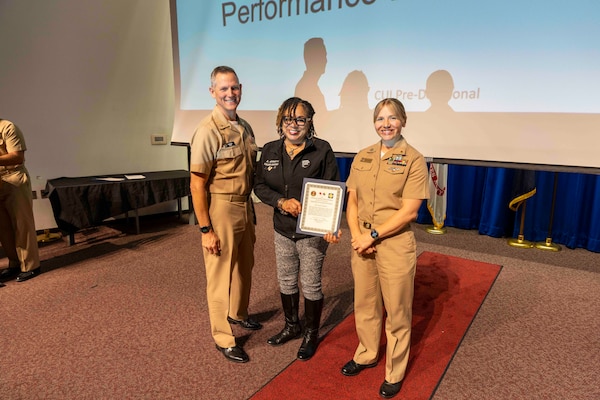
(300,121)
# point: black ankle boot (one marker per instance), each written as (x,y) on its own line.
(292,328)
(312,314)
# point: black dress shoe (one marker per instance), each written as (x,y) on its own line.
(9,273)
(389,390)
(23,276)
(352,368)
(246,323)
(235,354)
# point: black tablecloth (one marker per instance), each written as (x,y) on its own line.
(84,202)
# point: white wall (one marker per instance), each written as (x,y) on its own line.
(88,82)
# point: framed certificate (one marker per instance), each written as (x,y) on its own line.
(322,205)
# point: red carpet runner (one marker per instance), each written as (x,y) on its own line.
(448,293)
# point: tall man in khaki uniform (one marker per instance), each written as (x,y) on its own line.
(223,158)
(17,226)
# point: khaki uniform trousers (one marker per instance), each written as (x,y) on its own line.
(17,225)
(385,279)
(229,274)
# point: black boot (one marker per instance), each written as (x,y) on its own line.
(292,328)
(312,314)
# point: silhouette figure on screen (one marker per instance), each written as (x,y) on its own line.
(315,59)
(432,125)
(432,128)
(347,126)
(438,89)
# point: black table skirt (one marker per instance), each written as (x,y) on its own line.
(84,202)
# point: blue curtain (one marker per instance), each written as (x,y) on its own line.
(478,198)
(576,210)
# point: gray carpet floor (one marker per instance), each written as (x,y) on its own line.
(120,315)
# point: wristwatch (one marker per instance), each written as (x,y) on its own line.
(374,234)
(205,229)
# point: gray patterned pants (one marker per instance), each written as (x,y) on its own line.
(302,258)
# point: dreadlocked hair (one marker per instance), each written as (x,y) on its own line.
(289,107)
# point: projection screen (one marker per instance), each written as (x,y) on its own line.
(502,81)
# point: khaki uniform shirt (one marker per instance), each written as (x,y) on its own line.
(226,152)
(11,139)
(382,182)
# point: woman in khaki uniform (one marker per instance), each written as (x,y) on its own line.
(387,183)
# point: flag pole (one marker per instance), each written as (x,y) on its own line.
(438,174)
(548,245)
(520,240)
(434,230)
(48,236)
